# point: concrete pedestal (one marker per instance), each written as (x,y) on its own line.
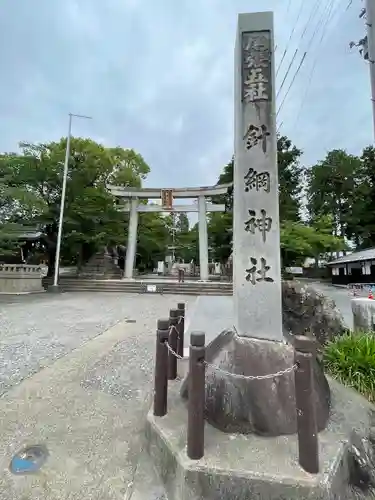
(20,278)
(247,466)
(363,314)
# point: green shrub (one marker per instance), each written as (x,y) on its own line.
(351,360)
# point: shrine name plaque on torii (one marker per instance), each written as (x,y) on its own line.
(130,202)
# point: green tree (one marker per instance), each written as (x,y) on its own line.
(361,220)
(300,240)
(290,179)
(189,245)
(331,190)
(182,223)
(290,187)
(13,199)
(226,177)
(153,238)
(91,218)
(181,237)
(220,235)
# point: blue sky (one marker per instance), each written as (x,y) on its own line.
(157,76)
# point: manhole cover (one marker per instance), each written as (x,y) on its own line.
(28,460)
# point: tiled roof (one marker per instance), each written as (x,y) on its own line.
(368,254)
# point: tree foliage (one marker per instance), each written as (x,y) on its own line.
(343,185)
(361,222)
(290,177)
(298,239)
(31,184)
(330,189)
(153,239)
(338,194)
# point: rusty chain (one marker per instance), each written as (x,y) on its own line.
(253,377)
(173,352)
(236,375)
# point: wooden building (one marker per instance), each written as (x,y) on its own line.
(357,267)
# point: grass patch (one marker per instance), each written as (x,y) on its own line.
(350,359)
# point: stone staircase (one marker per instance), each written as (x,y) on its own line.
(101,266)
(80,284)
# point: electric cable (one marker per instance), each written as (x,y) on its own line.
(330,16)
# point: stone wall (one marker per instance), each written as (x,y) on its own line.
(20,278)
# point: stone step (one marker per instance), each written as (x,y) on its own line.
(70,284)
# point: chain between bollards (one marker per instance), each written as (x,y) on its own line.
(167,347)
(173,340)
(161,368)
(307,429)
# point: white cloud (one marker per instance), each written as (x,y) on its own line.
(158,76)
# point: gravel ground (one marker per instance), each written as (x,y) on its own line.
(36,330)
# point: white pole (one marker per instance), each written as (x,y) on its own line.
(62,203)
(370,24)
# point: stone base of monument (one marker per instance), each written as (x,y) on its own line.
(238,466)
(242,397)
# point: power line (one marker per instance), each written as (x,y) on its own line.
(287,73)
(291,83)
(330,16)
(323,20)
(314,10)
(319,24)
(290,38)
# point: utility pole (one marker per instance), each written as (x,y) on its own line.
(55,286)
(367,48)
(370,25)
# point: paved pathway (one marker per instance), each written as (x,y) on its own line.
(86,378)
(89,402)
(35,330)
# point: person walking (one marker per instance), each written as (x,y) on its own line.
(181,273)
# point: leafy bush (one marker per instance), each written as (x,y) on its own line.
(351,360)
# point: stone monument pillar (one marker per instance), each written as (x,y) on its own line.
(203,238)
(256,235)
(253,390)
(132,239)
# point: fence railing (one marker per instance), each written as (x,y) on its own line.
(170,348)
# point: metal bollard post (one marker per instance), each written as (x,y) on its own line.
(173,337)
(305,352)
(196,401)
(161,369)
(181,329)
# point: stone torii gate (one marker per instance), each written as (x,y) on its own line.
(130,198)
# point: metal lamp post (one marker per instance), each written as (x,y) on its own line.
(62,203)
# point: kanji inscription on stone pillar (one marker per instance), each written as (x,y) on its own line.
(256,232)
